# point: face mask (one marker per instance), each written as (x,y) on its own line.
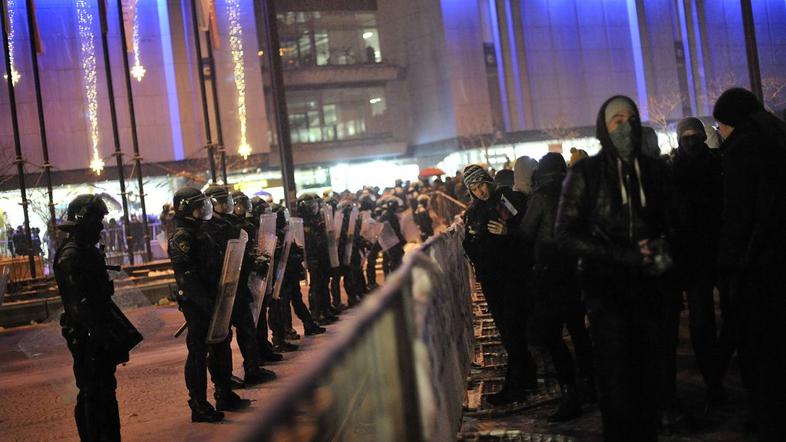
(89,231)
(623,140)
(692,145)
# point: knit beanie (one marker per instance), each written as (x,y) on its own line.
(691,123)
(474,174)
(735,106)
(616,105)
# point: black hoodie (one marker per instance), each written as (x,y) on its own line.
(607,205)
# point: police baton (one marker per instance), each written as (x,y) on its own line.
(181,329)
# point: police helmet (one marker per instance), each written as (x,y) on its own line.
(81,208)
(309,204)
(188,199)
(220,195)
(241,202)
(258,206)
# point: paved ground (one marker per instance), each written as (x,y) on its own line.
(527,422)
(37,393)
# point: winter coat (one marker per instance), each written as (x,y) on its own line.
(494,256)
(697,205)
(753,233)
(595,225)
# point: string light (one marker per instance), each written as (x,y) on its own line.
(15,75)
(236,47)
(137,71)
(88,60)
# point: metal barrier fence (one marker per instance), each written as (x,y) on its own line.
(446,207)
(397,371)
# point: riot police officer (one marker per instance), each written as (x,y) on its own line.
(242,317)
(188,249)
(391,259)
(308,206)
(86,291)
(217,232)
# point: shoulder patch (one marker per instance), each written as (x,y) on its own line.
(183,245)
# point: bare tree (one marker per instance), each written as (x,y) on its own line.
(662,107)
(478,136)
(561,130)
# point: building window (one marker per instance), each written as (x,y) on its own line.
(329,38)
(319,116)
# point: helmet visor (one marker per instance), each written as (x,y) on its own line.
(204,211)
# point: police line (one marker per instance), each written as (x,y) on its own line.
(396,371)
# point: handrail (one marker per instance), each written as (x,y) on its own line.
(450,198)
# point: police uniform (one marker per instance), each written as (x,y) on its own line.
(86,291)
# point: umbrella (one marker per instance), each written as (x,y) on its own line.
(263,193)
(431,171)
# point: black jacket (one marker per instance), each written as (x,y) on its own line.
(697,205)
(753,234)
(494,256)
(186,249)
(84,285)
(594,224)
(537,226)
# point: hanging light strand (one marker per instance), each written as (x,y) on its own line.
(236,47)
(137,71)
(88,61)
(15,75)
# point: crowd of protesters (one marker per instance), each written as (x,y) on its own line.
(622,237)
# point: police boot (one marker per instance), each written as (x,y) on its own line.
(204,412)
(314,329)
(291,334)
(569,405)
(230,401)
(283,346)
(259,377)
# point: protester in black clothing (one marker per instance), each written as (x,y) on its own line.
(422,218)
(697,191)
(751,248)
(613,215)
(86,292)
(496,258)
(556,294)
(195,259)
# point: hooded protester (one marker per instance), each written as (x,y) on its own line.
(697,185)
(522,174)
(504,178)
(497,260)
(751,248)
(612,215)
(556,295)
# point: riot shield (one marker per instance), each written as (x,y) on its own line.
(282,265)
(387,238)
(370,228)
(408,227)
(332,242)
(266,245)
(299,237)
(353,219)
(227,288)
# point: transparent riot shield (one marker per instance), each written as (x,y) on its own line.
(387,239)
(332,242)
(299,237)
(282,265)
(353,219)
(227,288)
(266,245)
(409,229)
